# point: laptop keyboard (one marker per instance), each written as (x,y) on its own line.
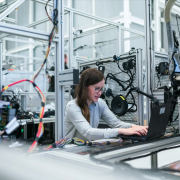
(134,137)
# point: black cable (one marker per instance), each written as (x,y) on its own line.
(176,118)
(159,79)
(111,76)
(133,104)
(47,12)
(129,83)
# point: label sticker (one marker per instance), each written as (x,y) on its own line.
(162,110)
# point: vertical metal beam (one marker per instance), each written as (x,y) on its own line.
(23,102)
(119,40)
(10,9)
(140,102)
(157,25)
(59,90)
(31,47)
(154,161)
(127,22)
(0,64)
(179,110)
(153,72)
(93,22)
(147,57)
(71,14)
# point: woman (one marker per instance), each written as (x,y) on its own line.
(83,113)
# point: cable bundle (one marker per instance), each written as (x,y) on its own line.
(41,126)
(173,132)
(104,143)
(124,84)
(80,142)
(61,143)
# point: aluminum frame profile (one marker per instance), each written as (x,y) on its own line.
(69,77)
(40,60)
(95,18)
(140,101)
(24,31)
(10,9)
(29,25)
(102,20)
(179,110)
(121,154)
(0,64)
(22,41)
(71,22)
(97,30)
(9,20)
(93,61)
(3,9)
(59,61)
(113,41)
(37,22)
(119,47)
(21,56)
(147,59)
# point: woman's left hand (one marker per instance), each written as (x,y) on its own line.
(141,129)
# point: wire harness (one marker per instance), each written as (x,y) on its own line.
(80,142)
(41,126)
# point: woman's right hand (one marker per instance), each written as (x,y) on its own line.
(129,131)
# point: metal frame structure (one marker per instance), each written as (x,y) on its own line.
(139,77)
(59,46)
(0,64)
(32,33)
(10,9)
(148,57)
(129,152)
(24,57)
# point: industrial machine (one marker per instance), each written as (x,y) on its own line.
(174,58)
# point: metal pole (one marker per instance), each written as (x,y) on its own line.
(139,67)
(147,57)
(71,39)
(179,110)
(119,39)
(59,90)
(154,161)
(1,64)
(153,71)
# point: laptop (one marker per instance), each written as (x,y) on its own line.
(157,126)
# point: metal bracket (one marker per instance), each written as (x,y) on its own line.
(69,77)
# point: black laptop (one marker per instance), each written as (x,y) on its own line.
(157,126)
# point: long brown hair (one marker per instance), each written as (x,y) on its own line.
(89,77)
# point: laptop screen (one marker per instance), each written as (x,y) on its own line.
(159,119)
